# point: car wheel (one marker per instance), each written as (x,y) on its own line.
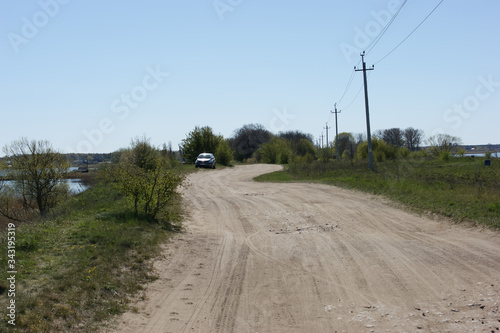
(213,167)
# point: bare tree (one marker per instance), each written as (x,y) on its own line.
(443,143)
(36,171)
(393,136)
(359,137)
(378,134)
(413,138)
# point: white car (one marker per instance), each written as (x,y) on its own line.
(206,160)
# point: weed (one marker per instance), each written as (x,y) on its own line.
(71,262)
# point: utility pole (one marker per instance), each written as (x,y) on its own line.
(321,136)
(368,133)
(327,142)
(336,132)
(327,128)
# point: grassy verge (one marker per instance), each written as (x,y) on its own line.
(461,188)
(79,267)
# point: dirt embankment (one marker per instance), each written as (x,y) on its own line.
(262,257)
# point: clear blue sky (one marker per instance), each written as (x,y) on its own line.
(91,75)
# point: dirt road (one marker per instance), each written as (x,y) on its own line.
(261,257)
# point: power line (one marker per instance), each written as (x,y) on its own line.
(347,87)
(355,97)
(411,33)
(376,40)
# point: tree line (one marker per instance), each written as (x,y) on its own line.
(146,174)
(254,143)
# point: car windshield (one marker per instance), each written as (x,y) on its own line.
(205,156)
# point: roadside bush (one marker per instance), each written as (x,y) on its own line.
(200,140)
(276,151)
(145,177)
(223,153)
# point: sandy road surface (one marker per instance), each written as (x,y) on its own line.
(259,257)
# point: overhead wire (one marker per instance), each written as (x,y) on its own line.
(369,48)
(377,39)
(374,43)
(411,33)
(355,97)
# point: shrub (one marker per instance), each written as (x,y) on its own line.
(444,155)
(200,140)
(404,152)
(145,177)
(276,151)
(224,154)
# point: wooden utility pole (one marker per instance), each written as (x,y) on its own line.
(336,132)
(327,128)
(368,133)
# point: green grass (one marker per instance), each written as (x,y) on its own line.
(80,266)
(462,189)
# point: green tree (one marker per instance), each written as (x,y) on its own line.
(223,154)
(276,151)
(36,170)
(305,150)
(200,140)
(146,177)
(346,142)
(381,150)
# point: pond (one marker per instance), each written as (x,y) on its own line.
(75,185)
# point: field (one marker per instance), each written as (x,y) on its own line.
(463,189)
(80,265)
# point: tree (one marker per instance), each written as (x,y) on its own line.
(145,176)
(248,139)
(294,137)
(276,151)
(198,141)
(359,137)
(442,145)
(346,142)
(36,170)
(393,136)
(305,148)
(413,138)
(223,154)
(381,150)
